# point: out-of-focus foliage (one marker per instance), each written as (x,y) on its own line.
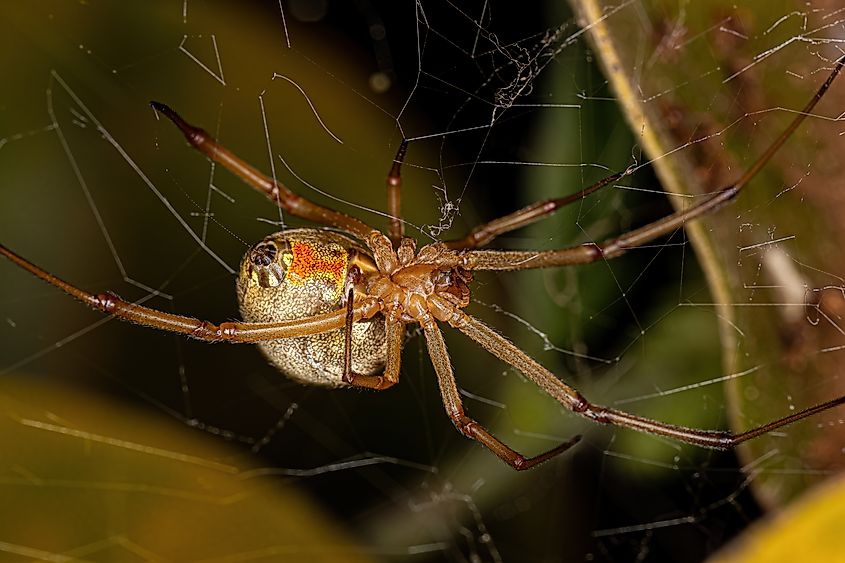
(808,530)
(95,480)
(770,253)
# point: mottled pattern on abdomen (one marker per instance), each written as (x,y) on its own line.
(316,359)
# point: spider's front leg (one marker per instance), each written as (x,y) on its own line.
(486,232)
(396,227)
(274,190)
(591,252)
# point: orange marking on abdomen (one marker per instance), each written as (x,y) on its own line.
(312,263)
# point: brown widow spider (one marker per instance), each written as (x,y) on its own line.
(329,310)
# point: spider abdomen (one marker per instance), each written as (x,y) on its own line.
(299,273)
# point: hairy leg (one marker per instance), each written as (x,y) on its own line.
(506,351)
(591,252)
(467,426)
(275,191)
(195,328)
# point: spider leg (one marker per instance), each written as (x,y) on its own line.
(506,351)
(591,252)
(485,233)
(395,334)
(275,191)
(195,328)
(396,228)
(467,426)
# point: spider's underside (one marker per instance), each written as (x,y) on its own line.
(326,309)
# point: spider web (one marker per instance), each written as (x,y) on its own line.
(156,439)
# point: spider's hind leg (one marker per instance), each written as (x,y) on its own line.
(469,427)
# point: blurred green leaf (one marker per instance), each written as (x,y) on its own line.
(767,254)
(809,530)
(94,480)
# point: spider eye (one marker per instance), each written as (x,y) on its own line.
(263,254)
(264,268)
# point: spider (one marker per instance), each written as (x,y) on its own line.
(331,308)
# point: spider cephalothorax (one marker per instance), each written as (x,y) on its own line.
(416,286)
(329,310)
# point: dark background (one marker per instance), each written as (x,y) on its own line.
(433,488)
